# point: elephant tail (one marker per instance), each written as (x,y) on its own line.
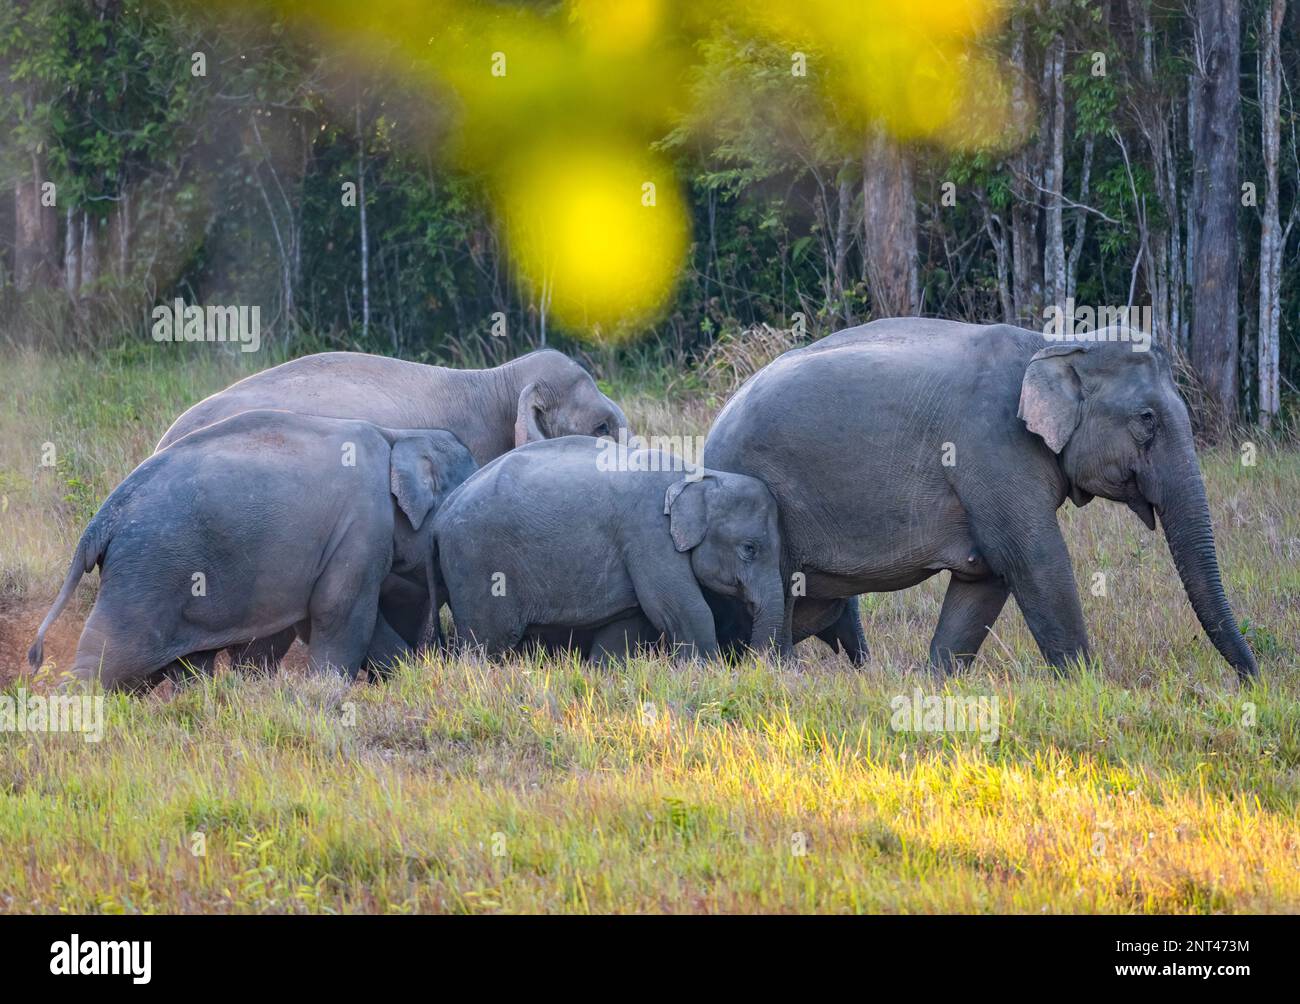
(89,550)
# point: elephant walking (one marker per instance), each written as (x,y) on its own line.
(548,544)
(910,446)
(248,527)
(540,395)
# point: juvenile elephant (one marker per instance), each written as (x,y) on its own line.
(908,446)
(537,396)
(552,539)
(248,527)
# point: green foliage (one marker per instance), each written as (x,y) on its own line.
(233,180)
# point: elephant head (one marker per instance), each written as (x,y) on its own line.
(728,523)
(561,399)
(1121,431)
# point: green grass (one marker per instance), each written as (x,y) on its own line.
(1148,783)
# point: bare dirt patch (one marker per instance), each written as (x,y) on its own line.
(19,620)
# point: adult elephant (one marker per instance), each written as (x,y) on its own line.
(541,395)
(908,446)
(339,505)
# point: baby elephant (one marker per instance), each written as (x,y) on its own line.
(254,524)
(552,540)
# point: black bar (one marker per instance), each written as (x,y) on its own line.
(334,954)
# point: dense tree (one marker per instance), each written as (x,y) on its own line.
(1215,199)
(161,148)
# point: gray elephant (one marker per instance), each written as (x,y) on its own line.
(910,446)
(540,395)
(837,623)
(605,645)
(250,526)
(537,396)
(555,539)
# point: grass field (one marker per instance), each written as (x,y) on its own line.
(1150,783)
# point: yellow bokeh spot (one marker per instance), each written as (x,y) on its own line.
(904,67)
(613,26)
(949,18)
(599,235)
(594,248)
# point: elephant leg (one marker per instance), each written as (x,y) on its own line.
(731,622)
(845,633)
(343,610)
(189,666)
(386,647)
(119,660)
(679,610)
(622,639)
(340,642)
(262,655)
(1038,570)
(404,605)
(493,625)
(969,612)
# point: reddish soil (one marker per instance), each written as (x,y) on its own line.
(19,620)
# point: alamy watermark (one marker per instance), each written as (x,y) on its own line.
(653,453)
(178,323)
(946,713)
(1099,324)
(23,712)
(75,957)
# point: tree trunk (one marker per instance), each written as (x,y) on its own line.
(1026,276)
(1161,234)
(997,235)
(889,229)
(1215,195)
(71,254)
(843,240)
(365,237)
(1189,207)
(89,252)
(1080,221)
(36,232)
(1054,279)
(1270,245)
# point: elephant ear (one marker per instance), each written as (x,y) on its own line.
(1051,396)
(686,507)
(529,414)
(415,478)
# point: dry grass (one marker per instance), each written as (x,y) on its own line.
(736,356)
(1149,783)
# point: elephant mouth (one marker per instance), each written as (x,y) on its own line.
(1140,506)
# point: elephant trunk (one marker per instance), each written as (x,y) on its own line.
(767,609)
(1185,519)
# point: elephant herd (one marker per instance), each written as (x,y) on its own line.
(344,498)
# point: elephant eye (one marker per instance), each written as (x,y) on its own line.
(601,430)
(748,550)
(1143,425)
